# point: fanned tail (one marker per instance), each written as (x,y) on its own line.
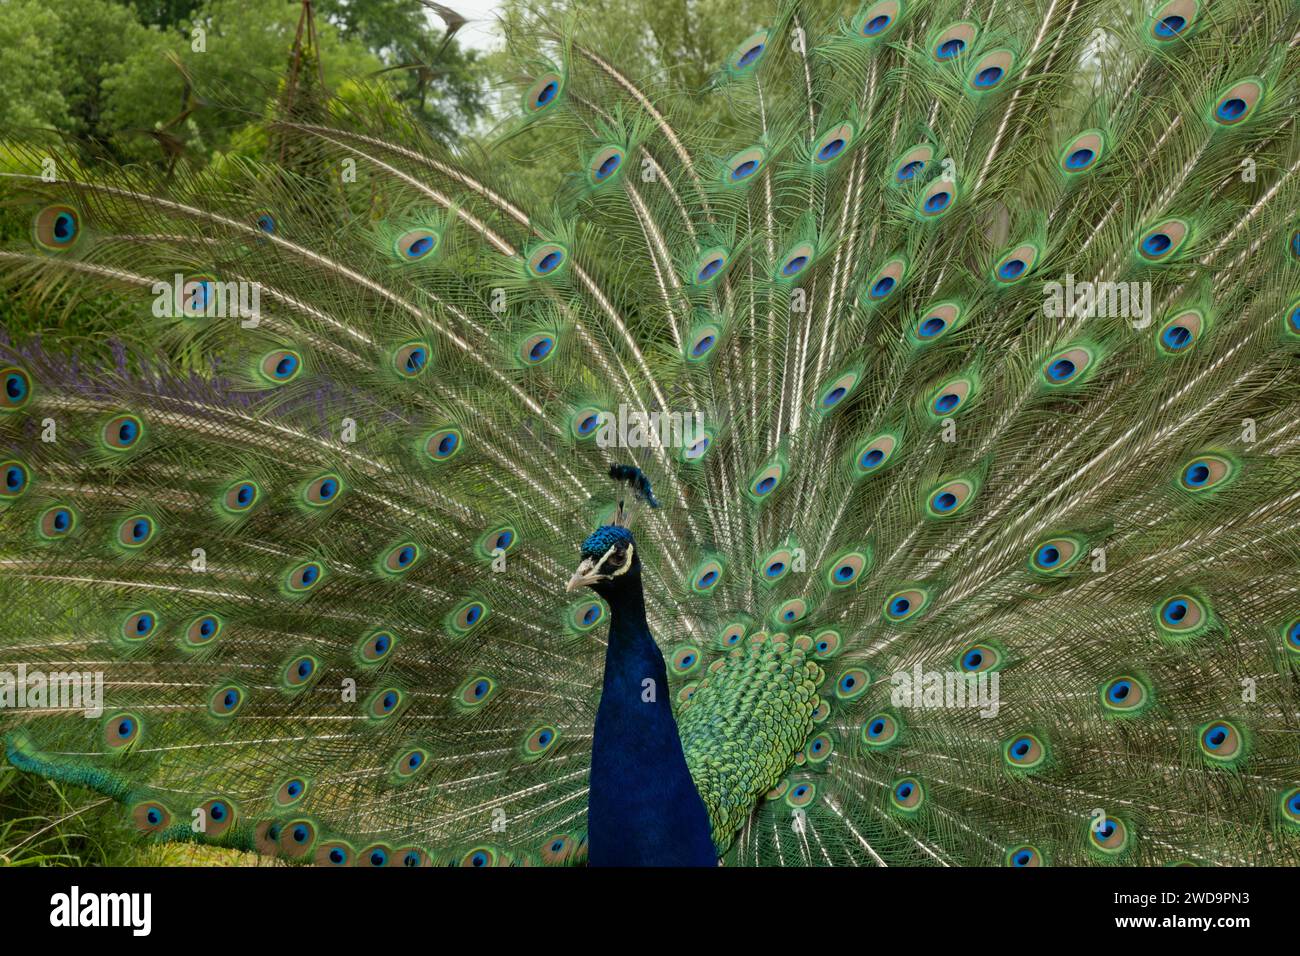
(955,342)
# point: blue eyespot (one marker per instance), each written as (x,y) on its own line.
(710,269)
(794,266)
(946,403)
(832,398)
(872,458)
(989,76)
(1174,611)
(708,578)
(480,688)
(1048,556)
(745,169)
(546,94)
(610,164)
(65,228)
(908,170)
(703,345)
(15,387)
(1197,475)
(1156,243)
(931,327)
(882,287)
(945,502)
(875,25)
(766,485)
(1011,269)
(831,150)
(938,201)
(950,48)
(15,478)
(1215,736)
(752,54)
(1061,369)
(1080,158)
(1171,26)
(1231,108)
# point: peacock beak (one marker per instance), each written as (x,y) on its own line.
(585,575)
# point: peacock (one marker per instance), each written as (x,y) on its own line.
(885,454)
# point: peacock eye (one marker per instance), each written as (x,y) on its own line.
(616,559)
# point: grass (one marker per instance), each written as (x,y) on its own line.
(48,824)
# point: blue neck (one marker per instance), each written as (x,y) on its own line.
(643,809)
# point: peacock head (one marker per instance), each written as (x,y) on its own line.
(609,563)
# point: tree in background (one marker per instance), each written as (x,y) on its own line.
(114,72)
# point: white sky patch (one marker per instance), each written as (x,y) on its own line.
(481,33)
